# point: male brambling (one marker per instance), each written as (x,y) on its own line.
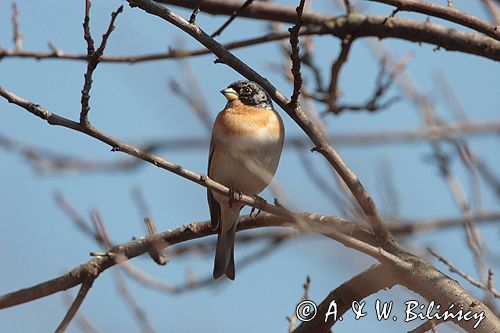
(246,144)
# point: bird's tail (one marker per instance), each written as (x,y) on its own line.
(224,253)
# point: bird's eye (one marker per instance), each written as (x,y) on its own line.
(247,90)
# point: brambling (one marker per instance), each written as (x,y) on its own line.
(246,144)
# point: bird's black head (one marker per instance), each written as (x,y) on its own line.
(249,93)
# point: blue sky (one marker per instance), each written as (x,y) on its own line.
(133,103)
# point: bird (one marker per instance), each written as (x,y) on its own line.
(245,149)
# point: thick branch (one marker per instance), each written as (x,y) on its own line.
(143,245)
(359,25)
(447,13)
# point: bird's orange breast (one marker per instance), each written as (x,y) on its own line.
(240,119)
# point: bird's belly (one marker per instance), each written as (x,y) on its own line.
(246,163)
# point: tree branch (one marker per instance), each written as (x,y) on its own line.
(93,58)
(84,289)
(231,19)
(333,92)
(143,245)
(171,54)
(359,287)
(451,14)
(359,25)
(295,57)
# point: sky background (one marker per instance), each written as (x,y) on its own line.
(133,103)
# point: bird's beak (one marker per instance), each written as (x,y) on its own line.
(230,94)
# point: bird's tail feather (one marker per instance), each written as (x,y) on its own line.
(224,253)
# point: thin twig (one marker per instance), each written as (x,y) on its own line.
(85,324)
(383,83)
(333,91)
(348,7)
(292,320)
(307,58)
(322,184)
(490,284)
(16,32)
(133,59)
(196,10)
(138,313)
(140,202)
(368,282)
(93,58)
(295,57)
(409,227)
(156,252)
(84,289)
(231,18)
(467,277)
(194,97)
(492,9)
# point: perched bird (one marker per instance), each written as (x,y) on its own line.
(246,144)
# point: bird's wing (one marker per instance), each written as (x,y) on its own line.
(212,203)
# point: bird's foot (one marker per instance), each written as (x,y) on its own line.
(277,203)
(234,196)
(260,202)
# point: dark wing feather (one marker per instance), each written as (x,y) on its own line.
(212,203)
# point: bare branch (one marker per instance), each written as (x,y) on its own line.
(305,296)
(333,91)
(408,227)
(93,57)
(331,226)
(16,32)
(449,13)
(85,324)
(359,287)
(139,314)
(295,57)
(231,18)
(196,10)
(84,289)
(194,96)
(493,10)
(171,54)
(348,7)
(467,277)
(384,81)
(360,25)
(156,252)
